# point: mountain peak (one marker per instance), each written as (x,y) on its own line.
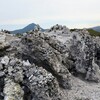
(27,28)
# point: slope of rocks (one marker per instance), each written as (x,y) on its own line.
(52,65)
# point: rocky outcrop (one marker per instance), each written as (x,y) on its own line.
(41,65)
(84,53)
(24,81)
(39,50)
(81,49)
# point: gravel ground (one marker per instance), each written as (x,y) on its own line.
(82,90)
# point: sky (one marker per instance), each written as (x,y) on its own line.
(16,14)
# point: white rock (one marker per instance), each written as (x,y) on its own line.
(26,63)
(2,38)
(12,90)
(5,60)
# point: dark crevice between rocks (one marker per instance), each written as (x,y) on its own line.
(3,51)
(74,72)
(81,76)
(1,88)
(98,55)
(4,48)
(28,95)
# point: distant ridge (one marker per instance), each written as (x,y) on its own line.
(26,29)
(97,28)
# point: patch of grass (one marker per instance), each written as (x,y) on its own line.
(93,32)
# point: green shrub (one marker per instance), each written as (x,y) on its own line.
(93,32)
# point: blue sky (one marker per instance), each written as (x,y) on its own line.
(72,13)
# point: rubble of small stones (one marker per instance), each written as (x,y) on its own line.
(40,65)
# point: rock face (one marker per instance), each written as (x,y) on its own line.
(41,52)
(41,65)
(82,50)
(42,85)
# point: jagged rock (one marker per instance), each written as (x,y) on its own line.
(93,73)
(27,63)
(15,70)
(12,90)
(66,30)
(5,60)
(59,46)
(60,29)
(42,84)
(41,63)
(80,49)
(13,62)
(2,73)
(42,53)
